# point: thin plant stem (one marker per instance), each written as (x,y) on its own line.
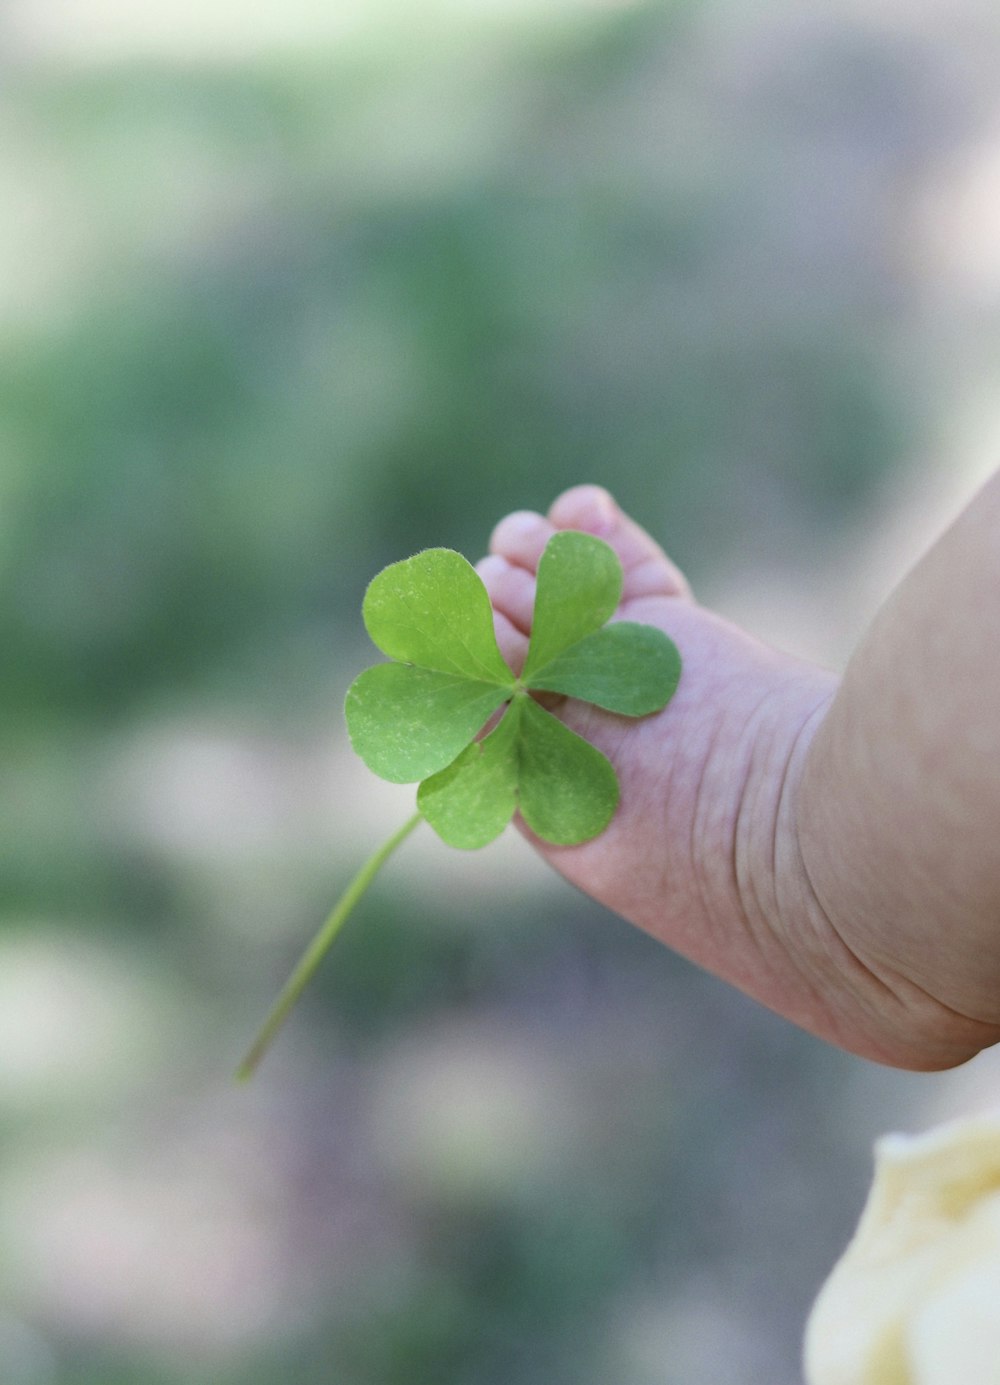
(317,949)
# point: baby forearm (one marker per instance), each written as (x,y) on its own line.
(831,848)
(899,809)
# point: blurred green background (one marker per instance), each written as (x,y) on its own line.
(288,293)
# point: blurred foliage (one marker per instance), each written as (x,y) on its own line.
(293,318)
(212,452)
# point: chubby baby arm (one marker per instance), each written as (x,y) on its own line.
(774,825)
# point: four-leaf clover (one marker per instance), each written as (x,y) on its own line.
(418,718)
(422,716)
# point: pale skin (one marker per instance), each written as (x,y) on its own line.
(830,845)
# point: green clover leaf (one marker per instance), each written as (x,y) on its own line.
(424,717)
(417,719)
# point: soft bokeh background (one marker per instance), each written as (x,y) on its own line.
(289,291)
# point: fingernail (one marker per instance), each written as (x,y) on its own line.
(523,522)
(596,511)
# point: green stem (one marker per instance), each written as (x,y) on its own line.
(317,949)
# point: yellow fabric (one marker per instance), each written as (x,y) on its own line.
(915,1298)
